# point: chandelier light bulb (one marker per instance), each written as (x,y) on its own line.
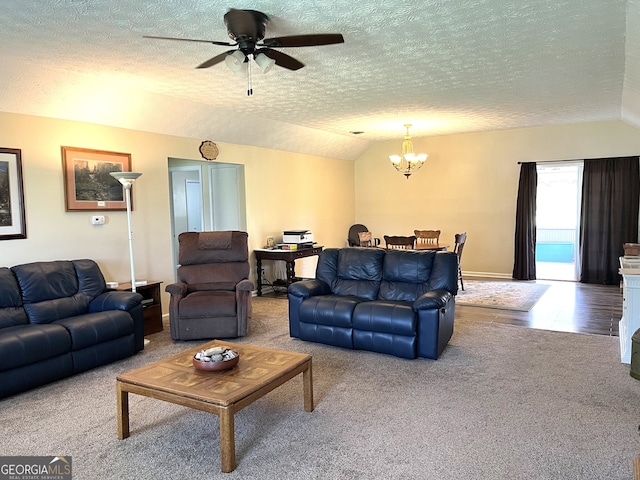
(408,162)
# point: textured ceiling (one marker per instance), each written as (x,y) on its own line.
(447,66)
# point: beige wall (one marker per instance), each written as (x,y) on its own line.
(284,191)
(470,183)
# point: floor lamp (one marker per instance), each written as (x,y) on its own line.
(127,179)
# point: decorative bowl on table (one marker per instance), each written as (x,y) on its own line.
(216,359)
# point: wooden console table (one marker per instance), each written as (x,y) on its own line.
(288,256)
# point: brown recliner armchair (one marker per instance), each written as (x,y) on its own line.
(212,298)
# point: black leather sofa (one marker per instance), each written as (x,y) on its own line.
(398,302)
(58,319)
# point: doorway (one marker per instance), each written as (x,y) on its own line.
(205,196)
(558,220)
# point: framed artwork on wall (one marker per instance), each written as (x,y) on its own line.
(12,217)
(88,184)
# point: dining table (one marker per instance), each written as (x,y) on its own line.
(431,246)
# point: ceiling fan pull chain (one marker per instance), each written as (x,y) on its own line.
(249,82)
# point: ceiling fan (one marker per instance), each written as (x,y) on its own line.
(247,29)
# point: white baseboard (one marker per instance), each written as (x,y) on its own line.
(486,275)
(265,289)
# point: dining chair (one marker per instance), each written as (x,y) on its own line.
(427,236)
(360,236)
(460,239)
(400,242)
(354,234)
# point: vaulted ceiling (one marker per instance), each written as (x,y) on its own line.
(445,66)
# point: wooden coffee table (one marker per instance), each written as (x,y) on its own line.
(175,380)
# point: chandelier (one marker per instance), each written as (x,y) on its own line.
(407,162)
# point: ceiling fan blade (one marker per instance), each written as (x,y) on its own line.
(304,40)
(281,59)
(215,60)
(191,40)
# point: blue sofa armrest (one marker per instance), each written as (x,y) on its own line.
(433,299)
(115,300)
(299,292)
(128,301)
(435,311)
(309,288)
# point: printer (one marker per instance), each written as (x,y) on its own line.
(301,238)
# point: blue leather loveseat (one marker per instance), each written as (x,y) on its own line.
(398,302)
(58,319)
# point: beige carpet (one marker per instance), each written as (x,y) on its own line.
(516,295)
(502,402)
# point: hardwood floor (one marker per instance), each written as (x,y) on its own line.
(566,306)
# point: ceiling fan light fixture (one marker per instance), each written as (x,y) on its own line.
(235,61)
(246,28)
(264,63)
(408,162)
(243,71)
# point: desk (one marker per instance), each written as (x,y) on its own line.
(288,256)
(431,246)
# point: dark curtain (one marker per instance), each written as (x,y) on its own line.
(524,265)
(609,218)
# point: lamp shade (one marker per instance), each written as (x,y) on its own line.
(126,178)
(235,61)
(264,63)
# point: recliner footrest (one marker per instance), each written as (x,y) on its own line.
(341,337)
(398,345)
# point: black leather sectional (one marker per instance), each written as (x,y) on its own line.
(399,302)
(58,319)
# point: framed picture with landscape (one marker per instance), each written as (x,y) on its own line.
(88,184)
(12,217)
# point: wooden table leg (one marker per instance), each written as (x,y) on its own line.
(227,441)
(123,411)
(259,275)
(307,380)
(291,272)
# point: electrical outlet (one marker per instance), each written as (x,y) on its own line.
(97,220)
